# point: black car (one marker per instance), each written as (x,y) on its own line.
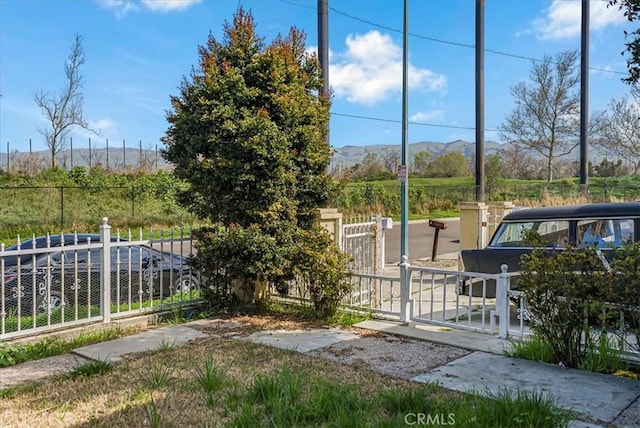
(604,225)
(51,271)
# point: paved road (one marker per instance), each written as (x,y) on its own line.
(421,240)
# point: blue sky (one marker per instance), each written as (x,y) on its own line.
(138,51)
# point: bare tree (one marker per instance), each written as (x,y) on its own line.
(64,110)
(546,117)
(390,159)
(519,163)
(621,131)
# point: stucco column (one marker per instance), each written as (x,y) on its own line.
(473,225)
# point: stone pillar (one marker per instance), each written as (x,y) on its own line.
(497,211)
(473,225)
(331,220)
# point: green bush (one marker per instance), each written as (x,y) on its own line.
(322,270)
(565,291)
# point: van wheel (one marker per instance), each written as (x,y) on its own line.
(55,301)
(186,283)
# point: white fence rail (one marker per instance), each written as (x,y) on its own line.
(60,281)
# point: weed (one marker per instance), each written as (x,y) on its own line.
(533,348)
(602,356)
(158,377)
(505,409)
(154,417)
(90,368)
(348,318)
(211,379)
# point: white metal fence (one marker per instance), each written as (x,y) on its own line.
(59,281)
(364,242)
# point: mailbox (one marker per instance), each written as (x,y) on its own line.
(438,224)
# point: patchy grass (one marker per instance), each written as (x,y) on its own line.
(16,353)
(600,357)
(90,368)
(221,381)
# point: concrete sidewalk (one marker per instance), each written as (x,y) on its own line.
(600,400)
(603,400)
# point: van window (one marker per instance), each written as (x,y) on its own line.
(553,233)
(610,233)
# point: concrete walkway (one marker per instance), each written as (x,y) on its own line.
(601,400)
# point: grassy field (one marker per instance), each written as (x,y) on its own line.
(66,202)
(439,197)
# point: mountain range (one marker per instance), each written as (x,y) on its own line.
(347,156)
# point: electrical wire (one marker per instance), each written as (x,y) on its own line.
(442,41)
(434,125)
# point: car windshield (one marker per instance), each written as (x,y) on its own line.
(553,233)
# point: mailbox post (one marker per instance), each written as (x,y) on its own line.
(438,226)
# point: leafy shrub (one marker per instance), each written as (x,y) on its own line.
(624,277)
(241,262)
(322,270)
(565,291)
(236,256)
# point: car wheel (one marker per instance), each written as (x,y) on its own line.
(186,283)
(55,301)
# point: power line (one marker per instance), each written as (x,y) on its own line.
(442,41)
(433,125)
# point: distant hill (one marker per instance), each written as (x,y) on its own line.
(344,157)
(350,155)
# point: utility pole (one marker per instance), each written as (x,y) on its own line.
(404,223)
(584,100)
(403,176)
(480,100)
(323,47)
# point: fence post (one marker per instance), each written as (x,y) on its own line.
(378,234)
(105,270)
(406,304)
(502,302)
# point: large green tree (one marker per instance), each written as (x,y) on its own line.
(248,131)
(631,9)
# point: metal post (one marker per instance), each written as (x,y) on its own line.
(480,100)
(406,304)
(405,280)
(105,272)
(502,302)
(404,223)
(62,208)
(584,100)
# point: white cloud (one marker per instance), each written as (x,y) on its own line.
(123,7)
(104,125)
(425,116)
(563,19)
(313,50)
(371,69)
(168,5)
